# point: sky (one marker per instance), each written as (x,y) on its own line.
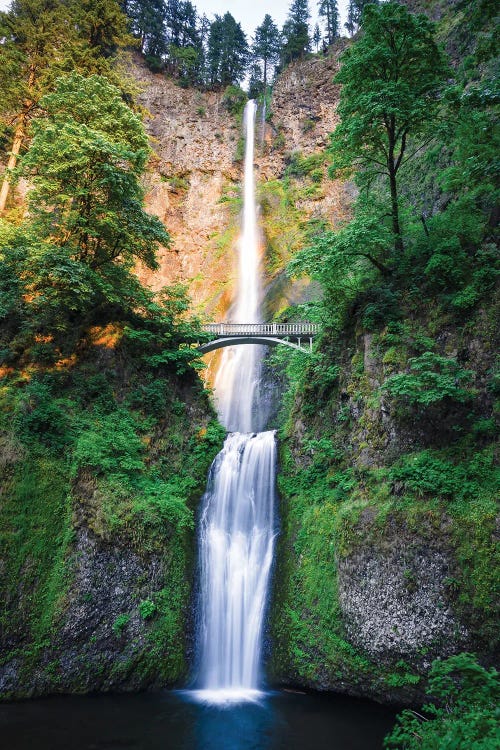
(250,13)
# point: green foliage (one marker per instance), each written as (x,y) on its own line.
(234,99)
(300,166)
(35,534)
(120,624)
(329,11)
(428,474)
(432,379)
(266,47)
(86,157)
(466,714)
(147,609)
(295,32)
(41,416)
(227,51)
(390,81)
(110,446)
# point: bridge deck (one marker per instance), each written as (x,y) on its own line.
(276,330)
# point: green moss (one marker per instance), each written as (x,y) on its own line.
(35,528)
(284,224)
(134,465)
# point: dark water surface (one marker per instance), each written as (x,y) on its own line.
(170,721)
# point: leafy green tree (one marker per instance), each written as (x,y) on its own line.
(87,221)
(329,11)
(465,714)
(42,40)
(391,79)
(266,46)
(228,52)
(295,33)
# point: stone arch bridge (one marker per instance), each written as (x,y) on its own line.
(296,335)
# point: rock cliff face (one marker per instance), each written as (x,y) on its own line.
(195,175)
(389,530)
(96,570)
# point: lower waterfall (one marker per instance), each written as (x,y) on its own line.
(236,550)
(237,525)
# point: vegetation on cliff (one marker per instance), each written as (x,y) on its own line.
(388,457)
(105,430)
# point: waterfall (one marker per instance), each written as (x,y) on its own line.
(236,532)
(237,380)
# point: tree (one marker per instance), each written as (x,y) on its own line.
(316,37)
(295,33)
(266,46)
(148,19)
(85,160)
(228,53)
(41,41)
(328,10)
(391,80)
(466,714)
(355,12)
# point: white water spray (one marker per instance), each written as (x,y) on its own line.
(237,520)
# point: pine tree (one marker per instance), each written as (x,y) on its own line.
(295,31)
(266,46)
(316,37)
(185,50)
(329,11)
(228,53)
(148,19)
(354,13)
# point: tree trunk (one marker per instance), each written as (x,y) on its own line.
(11,164)
(396,228)
(18,141)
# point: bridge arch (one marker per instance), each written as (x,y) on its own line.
(211,346)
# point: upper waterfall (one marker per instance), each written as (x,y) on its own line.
(237,379)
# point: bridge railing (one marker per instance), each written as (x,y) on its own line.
(262,329)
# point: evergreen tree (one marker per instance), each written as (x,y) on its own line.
(328,10)
(266,46)
(316,37)
(185,51)
(228,53)
(295,33)
(148,18)
(354,13)
(390,82)
(255,83)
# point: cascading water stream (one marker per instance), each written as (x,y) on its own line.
(236,534)
(237,379)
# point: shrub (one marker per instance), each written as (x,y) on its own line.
(234,100)
(111,445)
(147,608)
(120,624)
(432,378)
(466,713)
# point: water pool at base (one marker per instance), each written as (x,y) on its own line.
(171,721)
